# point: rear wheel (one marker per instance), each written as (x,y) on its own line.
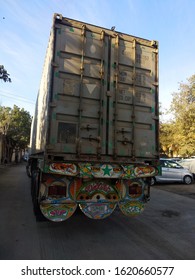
(187,180)
(35,182)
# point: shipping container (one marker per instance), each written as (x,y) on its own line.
(96,125)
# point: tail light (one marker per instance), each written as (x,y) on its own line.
(57,190)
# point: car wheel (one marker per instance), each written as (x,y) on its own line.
(187,180)
(153,181)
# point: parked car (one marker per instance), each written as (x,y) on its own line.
(188,163)
(173,172)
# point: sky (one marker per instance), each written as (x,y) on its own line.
(25,28)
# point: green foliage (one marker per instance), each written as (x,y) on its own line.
(16,123)
(4,75)
(5,119)
(181,136)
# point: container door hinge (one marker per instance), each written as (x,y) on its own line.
(156,118)
(54,64)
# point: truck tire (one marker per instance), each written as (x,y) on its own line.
(35,183)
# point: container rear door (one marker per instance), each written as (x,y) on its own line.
(105,94)
(79,107)
(133,102)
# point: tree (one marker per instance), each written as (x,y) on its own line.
(19,127)
(4,75)
(5,119)
(183,107)
(179,134)
(166,137)
(15,126)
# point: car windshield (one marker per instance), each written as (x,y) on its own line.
(170,164)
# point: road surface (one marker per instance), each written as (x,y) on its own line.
(165,230)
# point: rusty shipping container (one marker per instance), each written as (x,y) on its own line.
(95,128)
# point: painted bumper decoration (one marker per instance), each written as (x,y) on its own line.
(97,210)
(57,193)
(97,199)
(132,194)
(68,169)
(89,170)
(58,212)
(131,208)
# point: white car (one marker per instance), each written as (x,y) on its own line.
(188,163)
(173,172)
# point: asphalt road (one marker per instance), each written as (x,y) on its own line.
(165,230)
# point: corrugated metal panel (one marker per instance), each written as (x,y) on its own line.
(133,126)
(103,92)
(40,123)
(79,91)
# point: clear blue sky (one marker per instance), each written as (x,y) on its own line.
(25,27)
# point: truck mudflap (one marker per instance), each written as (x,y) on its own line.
(56,197)
(98,210)
(134,194)
(58,212)
(131,208)
(98,198)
